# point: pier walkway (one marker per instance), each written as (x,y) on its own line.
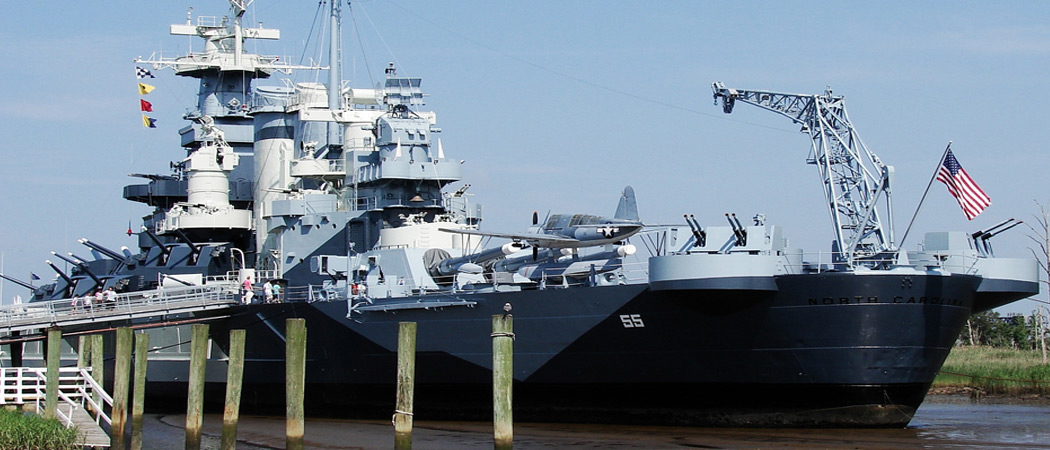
(134,305)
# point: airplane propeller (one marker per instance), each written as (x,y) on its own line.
(535,221)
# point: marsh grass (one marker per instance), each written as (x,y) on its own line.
(996,371)
(23,431)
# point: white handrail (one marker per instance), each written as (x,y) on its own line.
(76,389)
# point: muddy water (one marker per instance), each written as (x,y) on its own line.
(941,423)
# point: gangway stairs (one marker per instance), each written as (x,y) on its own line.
(152,304)
(81,400)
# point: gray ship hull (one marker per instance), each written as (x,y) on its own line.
(835,349)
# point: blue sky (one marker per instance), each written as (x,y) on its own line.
(556,106)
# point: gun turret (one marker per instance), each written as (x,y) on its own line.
(194,248)
(156,240)
(69,281)
(71,255)
(103,250)
(80,264)
(18,282)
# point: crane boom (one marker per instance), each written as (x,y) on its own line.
(854,178)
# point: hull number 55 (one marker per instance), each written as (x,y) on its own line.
(632,321)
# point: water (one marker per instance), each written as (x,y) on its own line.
(941,423)
(947,420)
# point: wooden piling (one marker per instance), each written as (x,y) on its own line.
(234,376)
(84,356)
(406,370)
(195,394)
(54,352)
(503,381)
(121,380)
(98,363)
(138,394)
(295,378)
(83,351)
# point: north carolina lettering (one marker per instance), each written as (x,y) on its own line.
(860,299)
(928,300)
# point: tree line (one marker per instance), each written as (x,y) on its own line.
(1015,331)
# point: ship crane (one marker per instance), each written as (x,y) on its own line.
(854,178)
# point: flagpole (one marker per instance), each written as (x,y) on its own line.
(940,162)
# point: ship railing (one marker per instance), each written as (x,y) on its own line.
(362,203)
(208,21)
(192,61)
(213,279)
(261,275)
(311,167)
(289,294)
(315,293)
(77,389)
(296,294)
(369,203)
(818,262)
(360,145)
(267,274)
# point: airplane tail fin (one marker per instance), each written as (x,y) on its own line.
(628,207)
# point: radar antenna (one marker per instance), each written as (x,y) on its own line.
(854,177)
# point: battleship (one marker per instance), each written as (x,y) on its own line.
(345,199)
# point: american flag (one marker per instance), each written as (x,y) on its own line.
(971,198)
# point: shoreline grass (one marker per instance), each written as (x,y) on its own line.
(22,431)
(995,371)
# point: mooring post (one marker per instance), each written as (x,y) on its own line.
(84,356)
(195,395)
(121,380)
(138,394)
(83,351)
(295,380)
(503,381)
(54,352)
(98,362)
(406,370)
(234,376)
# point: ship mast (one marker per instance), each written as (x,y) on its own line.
(854,177)
(214,201)
(335,83)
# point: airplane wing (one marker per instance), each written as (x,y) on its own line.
(536,239)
